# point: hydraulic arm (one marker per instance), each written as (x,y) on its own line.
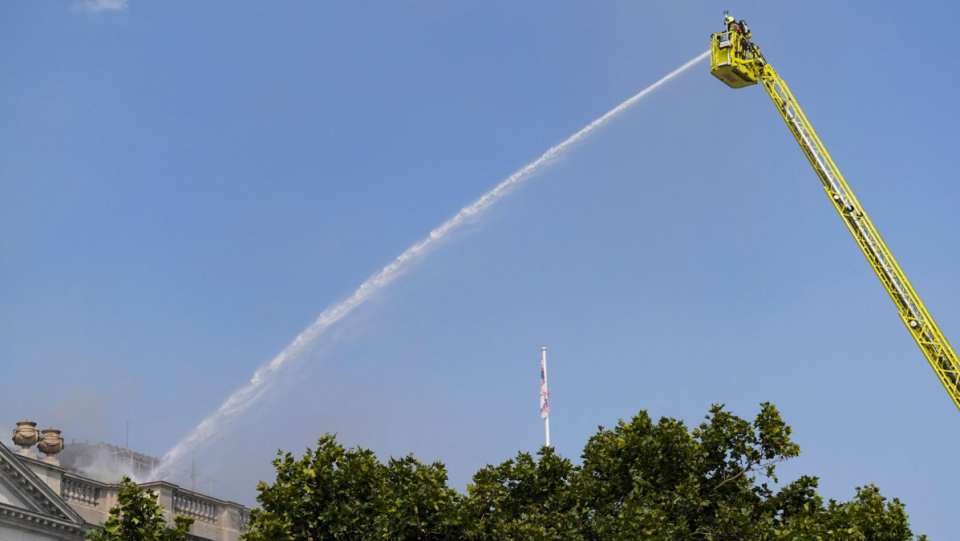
(736,61)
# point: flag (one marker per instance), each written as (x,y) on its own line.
(544,393)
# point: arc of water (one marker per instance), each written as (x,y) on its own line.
(263,378)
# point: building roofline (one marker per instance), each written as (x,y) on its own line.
(47,497)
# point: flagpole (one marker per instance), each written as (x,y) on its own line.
(546,425)
(546,420)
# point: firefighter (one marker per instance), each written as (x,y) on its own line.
(731,23)
(738,35)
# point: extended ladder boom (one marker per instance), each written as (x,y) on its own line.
(737,62)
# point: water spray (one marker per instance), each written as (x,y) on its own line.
(264,378)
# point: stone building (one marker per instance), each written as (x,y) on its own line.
(44,500)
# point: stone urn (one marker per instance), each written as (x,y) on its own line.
(51,443)
(26,436)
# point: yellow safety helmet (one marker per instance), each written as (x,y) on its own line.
(728,19)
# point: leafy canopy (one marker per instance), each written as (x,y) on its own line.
(138,516)
(638,480)
(347,494)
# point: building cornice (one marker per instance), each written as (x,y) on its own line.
(31,489)
(25,519)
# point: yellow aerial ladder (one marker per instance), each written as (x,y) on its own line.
(736,61)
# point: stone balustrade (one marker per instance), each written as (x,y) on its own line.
(194,507)
(91,499)
(81,491)
(214,519)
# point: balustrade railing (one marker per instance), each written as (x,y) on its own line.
(194,507)
(75,490)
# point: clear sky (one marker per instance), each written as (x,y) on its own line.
(185,186)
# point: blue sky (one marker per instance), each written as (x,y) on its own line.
(186,186)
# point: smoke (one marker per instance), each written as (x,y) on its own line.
(80,412)
(101,5)
(104,462)
(264,378)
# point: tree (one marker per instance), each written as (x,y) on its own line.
(638,480)
(867,517)
(139,517)
(522,499)
(663,481)
(334,493)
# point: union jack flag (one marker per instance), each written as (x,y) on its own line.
(544,393)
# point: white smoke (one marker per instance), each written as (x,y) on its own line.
(262,380)
(101,5)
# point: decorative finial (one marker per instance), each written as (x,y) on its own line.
(51,443)
(26,436)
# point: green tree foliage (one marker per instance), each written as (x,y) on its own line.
(638,480)
(139,517)
(334,493)
(869,517)
(662,481)
(522,499)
